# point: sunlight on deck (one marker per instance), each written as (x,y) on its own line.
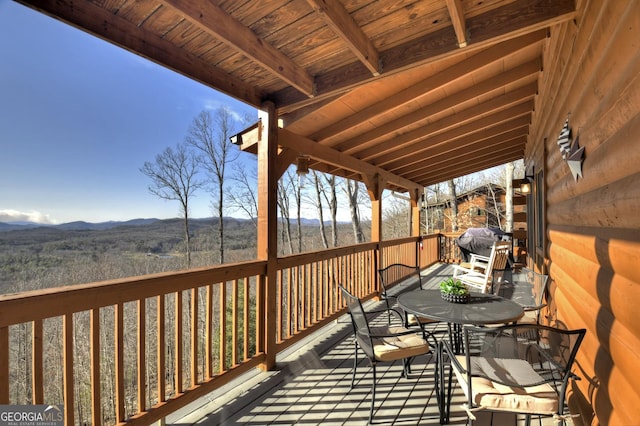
(312,386)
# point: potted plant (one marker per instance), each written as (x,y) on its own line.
(453,290)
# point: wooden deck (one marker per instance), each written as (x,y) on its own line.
(312,386)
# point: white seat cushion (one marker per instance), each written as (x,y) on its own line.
(537,399)
(397,347)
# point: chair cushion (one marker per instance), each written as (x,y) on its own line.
(397,347)
(415,320)
(537,399)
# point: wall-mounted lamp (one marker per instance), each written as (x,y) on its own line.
(236,139)
(302,165)
(423,202)
(525,185)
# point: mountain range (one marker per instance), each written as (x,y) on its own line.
(83,226)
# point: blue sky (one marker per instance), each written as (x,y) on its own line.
(79,117)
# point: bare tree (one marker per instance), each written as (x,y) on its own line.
(173,177)
(352,189)
(211,136)
(284,203)
(297,193)
(454,205)
(317,183)
(508,174)
(243,195)
(396,216)
(331,197)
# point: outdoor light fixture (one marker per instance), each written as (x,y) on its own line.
(302,164)
(525,185)
(236,139)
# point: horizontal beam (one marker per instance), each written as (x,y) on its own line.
(336,158)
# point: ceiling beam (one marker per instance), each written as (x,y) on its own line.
(432,163)
(519,113)
(339,159)
(338,19)
(474,165)
(509,129)
(116,30)
(407,144)
(423,88)
(484,87)
(510,21)
(477,155)
(216,22)
(457,20)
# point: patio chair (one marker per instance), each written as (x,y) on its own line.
(527,288)
(381,344)
(523,369)
(479,276)
(397,272)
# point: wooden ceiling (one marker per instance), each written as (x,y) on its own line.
(420,91)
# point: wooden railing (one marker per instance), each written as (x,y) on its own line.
(449,250)
(135,350)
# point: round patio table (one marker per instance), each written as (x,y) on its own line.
(482,309)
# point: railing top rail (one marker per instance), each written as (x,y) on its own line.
(40,304)
(316,256)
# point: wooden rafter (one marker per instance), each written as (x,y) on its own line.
(423,88)
(218,23)
(508,129)
(474,163)
(522,16)
(335,15)
(457,20)
(407,143)
(422,156)
(371,137)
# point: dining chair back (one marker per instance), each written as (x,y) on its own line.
(521,369)
(381,343)
(527,288)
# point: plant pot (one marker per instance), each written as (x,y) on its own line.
(456,298)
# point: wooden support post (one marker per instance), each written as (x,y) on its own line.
(414,195)
(375,186)
(415,212)
(268,229)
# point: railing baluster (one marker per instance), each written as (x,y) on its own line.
(178,344)
(223,326)
(234,323)
(247,318)
(160,355)
(96,394)
(37,368)
(208,350)
(301,275)
(4,365)
(67,339)
(194,336)
(141,361)
(119,361)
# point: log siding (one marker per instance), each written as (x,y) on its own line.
(592,249)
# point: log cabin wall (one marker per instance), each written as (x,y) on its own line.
(592,224)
